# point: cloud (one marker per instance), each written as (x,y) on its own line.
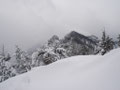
(27,22)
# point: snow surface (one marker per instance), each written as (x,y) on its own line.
(75,73)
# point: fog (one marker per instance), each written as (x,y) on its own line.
(30,22)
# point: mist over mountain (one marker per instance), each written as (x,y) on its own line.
(71,37)
(56,48)
(85,34)
(28,22)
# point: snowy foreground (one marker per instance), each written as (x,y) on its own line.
(75,73)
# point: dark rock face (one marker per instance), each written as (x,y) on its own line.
(78,44)
(78,38)
(94,38)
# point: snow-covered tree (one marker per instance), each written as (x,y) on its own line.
(23,61)
(73,48)
(37,57)
(6,69)
(61,53)
(44,56)
(84,50)
(107,44)
(54,50)
(54,41)
(118,40)
(49,53)
(50,56)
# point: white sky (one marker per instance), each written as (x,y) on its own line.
(28,22)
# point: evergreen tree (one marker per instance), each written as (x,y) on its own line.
(6,69)
(49,53)
(61,53)
(118,40)
(50,56)
(107,44)
(53,42)
(37,57)
(23,61)
(84,50)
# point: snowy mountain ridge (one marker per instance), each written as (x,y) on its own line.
(55,49)
(78,72)
(72,37)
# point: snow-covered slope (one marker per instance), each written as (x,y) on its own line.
(75,73)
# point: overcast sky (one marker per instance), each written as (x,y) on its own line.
(28,22)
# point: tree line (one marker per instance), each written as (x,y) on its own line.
(55,49)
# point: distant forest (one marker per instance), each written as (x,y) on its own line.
(55,49)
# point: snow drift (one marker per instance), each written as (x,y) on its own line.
(75,73)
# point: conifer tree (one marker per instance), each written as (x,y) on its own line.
(107,43)
(23,61)
(6,69)
(118,40)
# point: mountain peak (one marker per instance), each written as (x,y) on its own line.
(73,33)
(78,38)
